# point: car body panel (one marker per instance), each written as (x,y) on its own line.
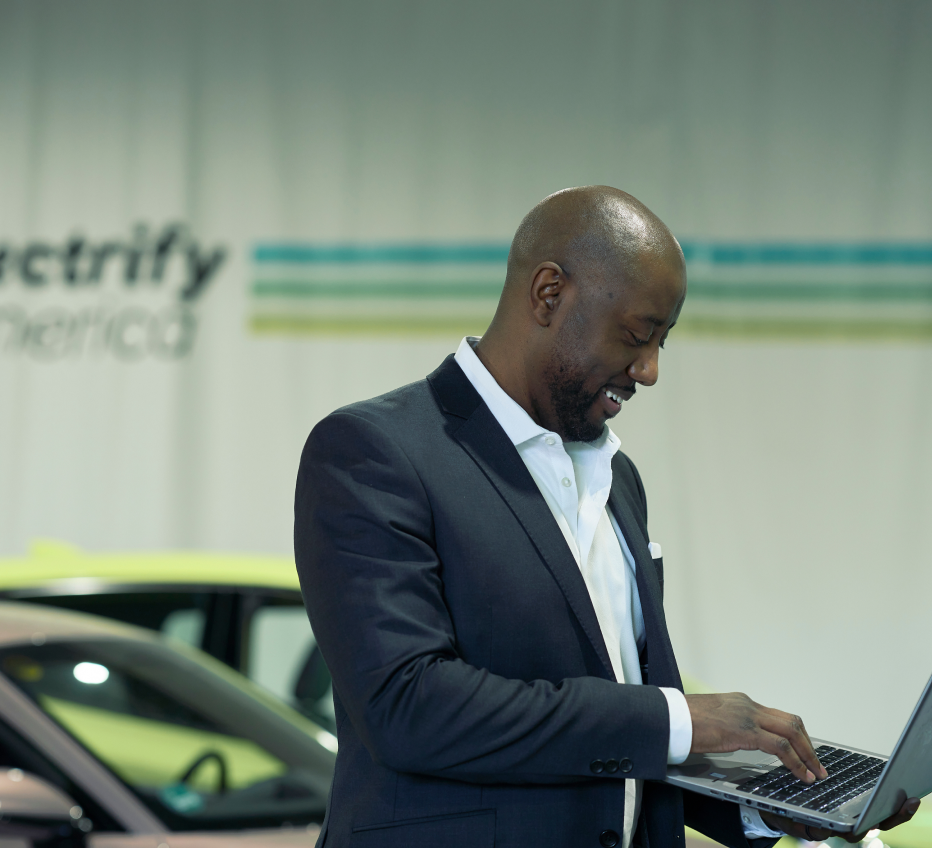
(284,837)
(50,563)
(21,624)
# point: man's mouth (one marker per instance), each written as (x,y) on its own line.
(613,397)
(619,394)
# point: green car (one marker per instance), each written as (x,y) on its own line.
(245,611)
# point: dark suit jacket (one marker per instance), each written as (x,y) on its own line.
(475,701)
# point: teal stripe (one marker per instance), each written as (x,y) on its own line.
(715,253)
(809,254)
(392,254)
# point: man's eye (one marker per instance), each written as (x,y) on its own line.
(638,342)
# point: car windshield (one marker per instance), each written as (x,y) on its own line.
(201,746)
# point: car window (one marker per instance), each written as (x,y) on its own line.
(197,748)
(179,613)
(186,625)
(283,658)
(280,639)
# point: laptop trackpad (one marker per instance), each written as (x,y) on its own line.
(724,767)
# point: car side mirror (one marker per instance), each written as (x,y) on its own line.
(39,814)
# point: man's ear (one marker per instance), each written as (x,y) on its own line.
(548,288)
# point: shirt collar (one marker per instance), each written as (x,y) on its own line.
(517,424)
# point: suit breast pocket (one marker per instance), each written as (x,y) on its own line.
(460,830)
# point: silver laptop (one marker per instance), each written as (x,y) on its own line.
(861,790)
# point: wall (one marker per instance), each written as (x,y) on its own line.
(172,324)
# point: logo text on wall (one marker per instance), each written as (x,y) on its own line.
(128,299)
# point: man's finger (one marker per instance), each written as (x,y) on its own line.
(792,729)
(903,815)
(793,720)
(780,746)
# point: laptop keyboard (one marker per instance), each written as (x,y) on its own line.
(849,775)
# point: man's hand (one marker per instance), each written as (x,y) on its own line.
(818,834)
(733,722)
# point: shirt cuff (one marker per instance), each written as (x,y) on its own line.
(681,726)
(754,827)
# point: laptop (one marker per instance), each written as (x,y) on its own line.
(861,790)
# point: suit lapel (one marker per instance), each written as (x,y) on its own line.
(661,662)
(483,438)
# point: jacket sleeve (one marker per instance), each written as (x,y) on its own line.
(373,587)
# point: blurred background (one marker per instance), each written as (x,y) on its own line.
(219,221)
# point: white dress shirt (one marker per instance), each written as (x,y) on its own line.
(575,479)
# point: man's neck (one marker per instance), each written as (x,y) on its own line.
(506,371)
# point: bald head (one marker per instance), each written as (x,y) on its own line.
(595,282)
(585,230)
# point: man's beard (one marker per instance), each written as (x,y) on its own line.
(572,403)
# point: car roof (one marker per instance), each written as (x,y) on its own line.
(49,562)
(22,623)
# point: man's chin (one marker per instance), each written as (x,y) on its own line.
(580,415)
(585,431)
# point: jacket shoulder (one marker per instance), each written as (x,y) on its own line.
(418,407)
(400,408)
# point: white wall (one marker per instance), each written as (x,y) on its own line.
(789,478)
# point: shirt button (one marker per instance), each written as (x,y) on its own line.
(550,440)
(746,819)
(566,482)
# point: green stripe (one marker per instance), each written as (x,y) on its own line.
(891,292)
(789,329)
(291,325)
(471,289)
(351,289)
(763,329)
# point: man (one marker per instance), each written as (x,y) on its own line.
(474,557)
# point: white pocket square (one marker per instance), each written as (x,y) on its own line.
(655,550)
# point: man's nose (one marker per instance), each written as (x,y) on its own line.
(644,369)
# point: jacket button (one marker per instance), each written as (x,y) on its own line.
(597,767)
(608,839)
(625,765)
(611,766)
